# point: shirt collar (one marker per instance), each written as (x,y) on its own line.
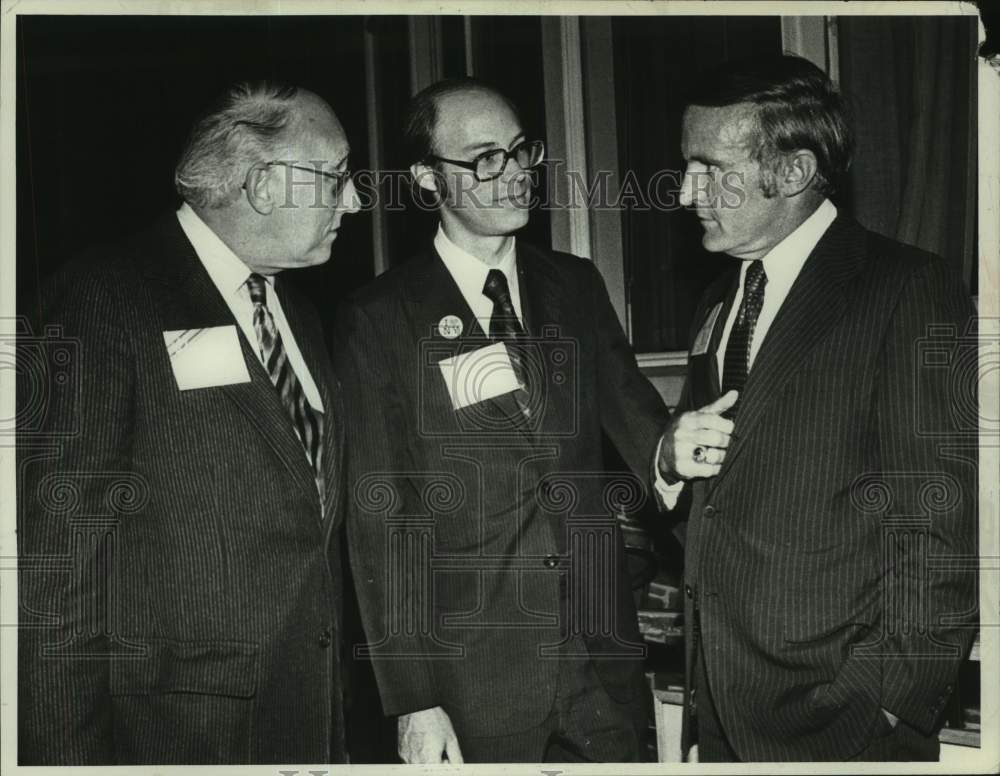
(470,272)
(784,261)
(227,270)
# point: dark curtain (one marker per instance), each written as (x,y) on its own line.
(911,85)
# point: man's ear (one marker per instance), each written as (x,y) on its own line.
(258,191)
(425,177)
(797,172)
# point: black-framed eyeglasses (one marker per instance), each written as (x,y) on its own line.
(339,179)
(490,165)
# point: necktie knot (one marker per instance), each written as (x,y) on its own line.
(496,288)
(257,285)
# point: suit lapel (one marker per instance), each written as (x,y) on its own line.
(432,294)
(189,300)
(815,302)
(315,354)
(546,316)
(703,369)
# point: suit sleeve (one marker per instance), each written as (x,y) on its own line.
(65,712)
(918,406)
(633,414)
(377,488)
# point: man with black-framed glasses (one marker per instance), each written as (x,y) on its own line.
(203,625)
(483,372)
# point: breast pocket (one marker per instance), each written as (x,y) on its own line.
(186,702)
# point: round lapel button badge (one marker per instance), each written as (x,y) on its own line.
(450,327)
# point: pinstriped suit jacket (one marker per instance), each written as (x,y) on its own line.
(833,557)
(469,534)
(180,580)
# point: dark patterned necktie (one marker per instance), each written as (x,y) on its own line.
(736,365)
(307,422)
(505,327)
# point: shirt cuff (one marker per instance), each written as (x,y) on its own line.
(668,492)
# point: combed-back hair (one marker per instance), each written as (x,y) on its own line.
(238,131)
(795,107)
(422,115)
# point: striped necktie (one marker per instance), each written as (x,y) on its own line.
(307,422)
(736,365)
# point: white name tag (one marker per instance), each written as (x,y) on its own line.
(478,375)
(701,342)
(206,358)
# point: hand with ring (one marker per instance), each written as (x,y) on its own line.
(694,444)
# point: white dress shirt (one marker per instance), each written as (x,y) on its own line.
(229,275)
(470,274)
(782,266)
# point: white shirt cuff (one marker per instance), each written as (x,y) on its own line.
(668,493)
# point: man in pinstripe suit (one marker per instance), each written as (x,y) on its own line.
(830,598)
(179,513)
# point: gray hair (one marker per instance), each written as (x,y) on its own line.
(237,133)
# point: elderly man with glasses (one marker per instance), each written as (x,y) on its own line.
(485,551)
(193,614)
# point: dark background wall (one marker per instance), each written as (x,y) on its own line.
(104,104)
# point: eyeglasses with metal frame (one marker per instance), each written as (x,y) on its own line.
(340,179)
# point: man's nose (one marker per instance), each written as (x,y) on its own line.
(349,197)
(687,190)
(511,168)
(513,172)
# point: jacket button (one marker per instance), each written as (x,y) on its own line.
(709,511)
(325,639)
(551,561)
(688,591)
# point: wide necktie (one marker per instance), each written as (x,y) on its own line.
(505,327)
(307,422)
(736,365)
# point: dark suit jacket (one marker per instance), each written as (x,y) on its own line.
(180,581)
(469,535)
(833,557)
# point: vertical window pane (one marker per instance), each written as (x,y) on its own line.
(657,61)
(507,53)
